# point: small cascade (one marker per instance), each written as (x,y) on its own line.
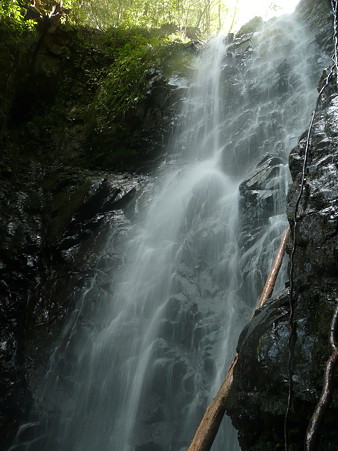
(144,369)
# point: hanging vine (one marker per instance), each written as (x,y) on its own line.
(326,395)
(334,5)
(312,431)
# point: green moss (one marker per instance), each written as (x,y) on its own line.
(124,86)
(127,82)
(95,107)
(142,62)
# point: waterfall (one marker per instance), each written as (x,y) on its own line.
(143,370)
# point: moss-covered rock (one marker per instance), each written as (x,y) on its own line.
(100,99)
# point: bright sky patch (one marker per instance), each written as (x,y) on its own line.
(264,8)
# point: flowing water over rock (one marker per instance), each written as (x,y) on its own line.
(139,374)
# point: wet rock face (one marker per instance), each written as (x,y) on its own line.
(53,225)
(258,399)
(261,198)
(55,212)
(264,122)
(259,394)
(312,12)
(20,248)
(316,240)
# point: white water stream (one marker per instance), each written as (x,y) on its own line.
(143,378)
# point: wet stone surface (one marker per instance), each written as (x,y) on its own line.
(54,225)
(259,394)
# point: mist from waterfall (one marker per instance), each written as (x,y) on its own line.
(145,369)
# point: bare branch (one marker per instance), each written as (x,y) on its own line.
(271,280)
(312,431)
(208,428)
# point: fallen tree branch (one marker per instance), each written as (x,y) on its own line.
(272,277)
(208,428)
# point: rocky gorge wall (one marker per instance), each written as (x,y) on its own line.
(257,403)
(61,188)
(61,196)
(259,396)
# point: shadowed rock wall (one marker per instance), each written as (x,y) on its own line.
(59,196)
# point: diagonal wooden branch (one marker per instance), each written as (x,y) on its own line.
(272,277)
(325,397)
(208,428)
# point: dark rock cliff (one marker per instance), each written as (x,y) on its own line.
(60,193)
(258,398)
(57,189)
(51,221)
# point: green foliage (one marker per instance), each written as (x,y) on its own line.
(13,14)
(127,110)
(137,53)
(207,16)
(11,9)
(124,85)
(104,99)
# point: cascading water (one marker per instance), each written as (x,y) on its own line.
(145,369)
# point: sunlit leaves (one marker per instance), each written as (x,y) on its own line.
(209,16)
(13,12)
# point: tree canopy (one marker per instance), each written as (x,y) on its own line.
(206,16)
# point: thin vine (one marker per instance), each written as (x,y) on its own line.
(334,5)
(313,426)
